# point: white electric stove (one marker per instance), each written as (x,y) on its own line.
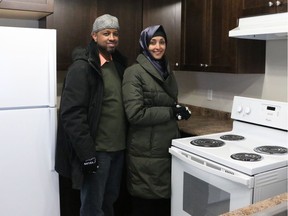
(247,164)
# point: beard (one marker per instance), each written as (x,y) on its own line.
(106,50)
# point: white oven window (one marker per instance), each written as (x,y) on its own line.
(200,190)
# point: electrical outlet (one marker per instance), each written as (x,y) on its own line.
(210,94)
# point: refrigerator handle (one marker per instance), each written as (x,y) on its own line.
(52,69)
(52,137)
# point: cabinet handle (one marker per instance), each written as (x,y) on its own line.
(201,65)
(176,64)
(270,4)
(206,65)
(278,3)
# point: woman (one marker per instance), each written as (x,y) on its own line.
(150,97)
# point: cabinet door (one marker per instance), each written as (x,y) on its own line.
(262,7)
(129,14)
(168,14)
(195,37)
(36,5)
(206,45)
(221,56)
(28,9)
(73,21)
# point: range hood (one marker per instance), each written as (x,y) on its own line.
(265,27)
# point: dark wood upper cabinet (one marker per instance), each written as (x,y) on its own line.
(206,45)
(197,32)
(263,7)
(73,20)
(195,35)
(168,14)
(129,14)
(26,9)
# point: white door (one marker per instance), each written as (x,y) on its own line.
(28,182)
(27,67)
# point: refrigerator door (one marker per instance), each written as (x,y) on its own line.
(27,67)
(28,184)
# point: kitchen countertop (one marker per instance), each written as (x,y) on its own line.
(276,205)
(205,121)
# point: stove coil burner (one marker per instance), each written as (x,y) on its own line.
(246,157)
(232,137)
(207,142)
(271,149)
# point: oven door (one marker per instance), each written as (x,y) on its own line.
(201,187)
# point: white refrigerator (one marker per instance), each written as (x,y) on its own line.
(28,182)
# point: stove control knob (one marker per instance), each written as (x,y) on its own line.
(239,109)
(247,110)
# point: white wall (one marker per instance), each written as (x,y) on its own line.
(194,86)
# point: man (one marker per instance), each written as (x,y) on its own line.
(92,127)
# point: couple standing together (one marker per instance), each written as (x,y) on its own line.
(112,116)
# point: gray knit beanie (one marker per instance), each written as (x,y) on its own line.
(105,21)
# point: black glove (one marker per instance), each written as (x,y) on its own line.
(90,166)
(181,112)
(186,114)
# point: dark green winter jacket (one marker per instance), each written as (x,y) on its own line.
(148,101)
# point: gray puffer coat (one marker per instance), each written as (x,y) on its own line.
(148,99)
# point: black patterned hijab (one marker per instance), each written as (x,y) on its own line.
(145,38)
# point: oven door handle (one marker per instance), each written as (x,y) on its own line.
(211,167)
